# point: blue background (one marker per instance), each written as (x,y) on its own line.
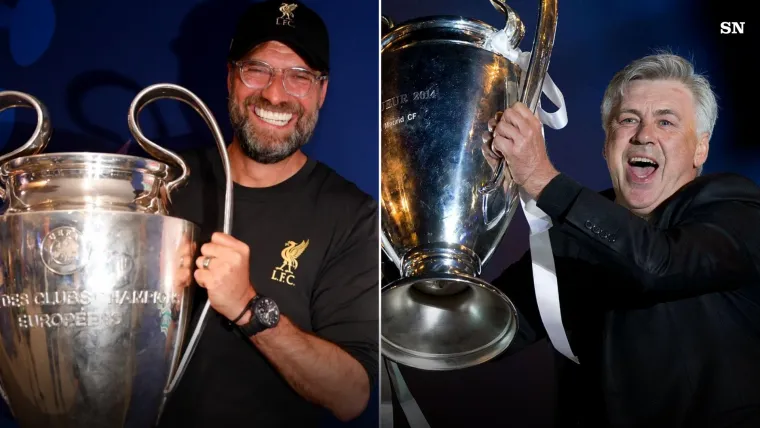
(86,60)
(594,40)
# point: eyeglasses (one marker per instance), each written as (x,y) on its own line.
(296,81)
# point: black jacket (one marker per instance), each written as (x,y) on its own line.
(663,314)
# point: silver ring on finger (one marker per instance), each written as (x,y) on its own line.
(206,262)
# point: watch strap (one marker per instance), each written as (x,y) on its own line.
(254,326)
(248,306)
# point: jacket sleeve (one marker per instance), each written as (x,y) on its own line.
(712,247)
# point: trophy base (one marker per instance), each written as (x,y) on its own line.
(445,331)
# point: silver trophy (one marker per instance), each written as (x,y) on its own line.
(95,276)
(445,209)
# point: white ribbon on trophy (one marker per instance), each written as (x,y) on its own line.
(542,257)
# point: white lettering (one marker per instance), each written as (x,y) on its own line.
(732,28)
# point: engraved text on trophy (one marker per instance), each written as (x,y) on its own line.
(95,309)
(66,253)
(397,102)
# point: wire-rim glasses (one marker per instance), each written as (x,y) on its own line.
(296,81)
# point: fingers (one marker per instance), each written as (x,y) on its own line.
(228,241)
(488,153)
(219,251)
(491,158)
(505,137)
(203,277)
(492,123)
(522,110)
(515,117)
(220,255)
(508,129)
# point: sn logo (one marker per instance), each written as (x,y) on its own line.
(731,28)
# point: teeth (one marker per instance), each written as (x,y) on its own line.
(644,160)
(275,118)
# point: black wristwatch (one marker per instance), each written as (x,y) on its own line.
(264,314)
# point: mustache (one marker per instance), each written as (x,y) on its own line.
(256,100)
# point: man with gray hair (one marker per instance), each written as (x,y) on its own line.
(659,277)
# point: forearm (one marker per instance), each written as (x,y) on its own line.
(318,370)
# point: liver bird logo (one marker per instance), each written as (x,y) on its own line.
(287,10)
(290,255)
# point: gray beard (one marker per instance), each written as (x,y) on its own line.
(262,146)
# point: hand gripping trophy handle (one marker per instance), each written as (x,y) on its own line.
(148,95)
(42,132)
(543,42)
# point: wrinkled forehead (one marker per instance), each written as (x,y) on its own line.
(651,95)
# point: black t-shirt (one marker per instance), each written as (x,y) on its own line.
(332,291)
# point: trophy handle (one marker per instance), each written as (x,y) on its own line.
(42,132)
(166,90)
(543,42)
(386,24)
(512,20)
(491,222)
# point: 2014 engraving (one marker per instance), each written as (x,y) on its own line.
(86,315)
(401,99)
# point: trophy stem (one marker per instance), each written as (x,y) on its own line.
(440,258)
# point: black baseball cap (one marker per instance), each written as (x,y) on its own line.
(288,22)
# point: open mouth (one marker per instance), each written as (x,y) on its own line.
(272,117)
(642,167)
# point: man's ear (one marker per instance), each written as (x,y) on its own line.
(702,149)
(323,93)
(230,76)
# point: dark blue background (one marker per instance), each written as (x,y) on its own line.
(594,39)
(86,60)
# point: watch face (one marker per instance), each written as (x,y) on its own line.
(267,312)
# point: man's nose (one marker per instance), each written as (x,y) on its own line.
(645,134)
(275,92)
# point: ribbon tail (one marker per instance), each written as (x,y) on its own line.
(545,276)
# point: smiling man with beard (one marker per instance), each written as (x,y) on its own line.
(267,143)
(658,277)
(294,290)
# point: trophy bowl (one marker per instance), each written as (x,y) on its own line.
(95,278)
(444,207)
